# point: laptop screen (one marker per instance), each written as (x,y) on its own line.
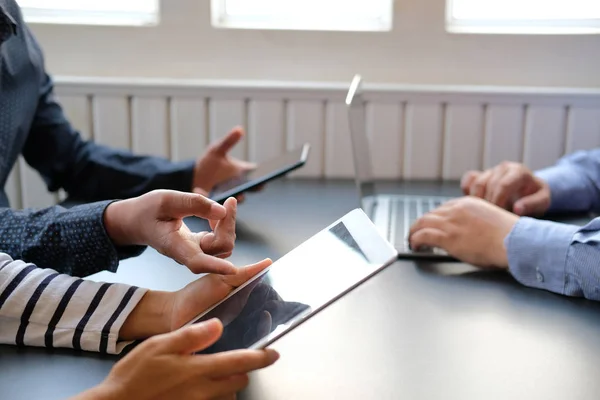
(361,149)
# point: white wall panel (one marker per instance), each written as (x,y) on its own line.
(385,125)
(111,121)
(34,193)
(583,129)
(266,129)
(149,126)
(415,132)
(189,133)
(338,150)
(224,115)
(305,123)
(78,109)
(463,141)
(423,141)
(503,134)
(545,130)
(13,188)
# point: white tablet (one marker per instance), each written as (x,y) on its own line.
(300,284)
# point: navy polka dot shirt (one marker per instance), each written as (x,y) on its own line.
(32,124)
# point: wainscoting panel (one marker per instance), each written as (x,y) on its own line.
(503,134)
(385,129)
(306,123)
(188,127)
(463,139)
(224,115)
(338,150)
(266,129)
(13,188)
(78,109)
(583,129)
(423,142)
(422,132)
(545,128)
(111,121)
(33,189)
(150,126)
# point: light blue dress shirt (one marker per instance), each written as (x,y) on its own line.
(558,257)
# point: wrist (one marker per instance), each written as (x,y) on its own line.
(116,224)
(103,391)
(151,316)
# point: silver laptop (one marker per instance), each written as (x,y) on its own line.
(392,214)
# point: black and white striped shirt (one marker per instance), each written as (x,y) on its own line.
(40,307)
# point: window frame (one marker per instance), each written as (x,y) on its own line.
(86,17)
(220,20)
(529,27)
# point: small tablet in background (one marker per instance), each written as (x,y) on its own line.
(265,172)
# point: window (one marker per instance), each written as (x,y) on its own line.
(324,15)
(86,12)
(524,16)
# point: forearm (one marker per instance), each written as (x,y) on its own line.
(574,182)
(39,307)
(74,239)
(556,257)
(105,173)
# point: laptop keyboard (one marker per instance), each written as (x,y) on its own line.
(405,211)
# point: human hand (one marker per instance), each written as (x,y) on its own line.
(159,312)
(468,228)
(511,186)
(203,293)
(156,219)
(165,367)
(217,166)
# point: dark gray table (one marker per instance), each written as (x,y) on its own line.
(414,331)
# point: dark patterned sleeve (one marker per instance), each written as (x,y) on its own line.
(73,239)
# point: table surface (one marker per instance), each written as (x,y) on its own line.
(416,330)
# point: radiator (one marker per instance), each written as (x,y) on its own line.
(416,132)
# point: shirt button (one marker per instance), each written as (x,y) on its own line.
(539,276)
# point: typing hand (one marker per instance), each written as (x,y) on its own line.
(164,367)
(511,186)
(469,228)
(156,219)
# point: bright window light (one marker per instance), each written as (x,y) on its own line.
(100,12)
(325,15)
(524,16)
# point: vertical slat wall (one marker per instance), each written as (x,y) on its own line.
(413,134)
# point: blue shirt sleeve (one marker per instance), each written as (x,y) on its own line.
(574,182)
(71,241)
(88,171)
(560,258)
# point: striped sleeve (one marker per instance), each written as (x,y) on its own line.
(39,307)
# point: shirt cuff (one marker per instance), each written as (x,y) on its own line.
(566,187)
(89,243)
(537,252)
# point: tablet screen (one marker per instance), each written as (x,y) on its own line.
(263,172)
(301,282)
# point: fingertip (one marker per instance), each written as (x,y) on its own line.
(272,355)
(217,211)
(519,209)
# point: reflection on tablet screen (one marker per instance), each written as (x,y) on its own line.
(305,279)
